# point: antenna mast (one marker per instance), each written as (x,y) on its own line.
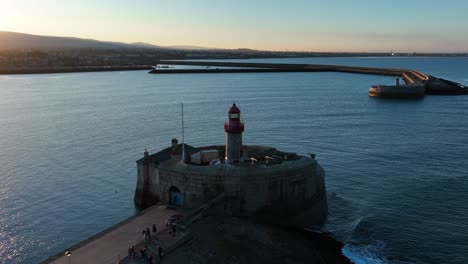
(183,139)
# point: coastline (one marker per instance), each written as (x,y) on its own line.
(73,69)
(145,66)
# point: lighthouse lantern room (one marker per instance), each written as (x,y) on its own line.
(234,128)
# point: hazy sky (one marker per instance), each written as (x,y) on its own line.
(331,25)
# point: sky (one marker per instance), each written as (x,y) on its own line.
(292,25)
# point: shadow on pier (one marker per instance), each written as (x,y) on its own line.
(416,83)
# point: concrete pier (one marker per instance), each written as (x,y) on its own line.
(409,76)
(412,78)
(111,245)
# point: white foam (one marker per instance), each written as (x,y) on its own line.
(58,76)
(14,77)
(364,254)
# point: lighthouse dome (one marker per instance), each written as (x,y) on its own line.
(234,109)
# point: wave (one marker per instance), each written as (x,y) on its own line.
(349,221)
(344,218)
(370,254)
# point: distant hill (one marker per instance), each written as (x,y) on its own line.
(188,47)
(13,40)
(145,45)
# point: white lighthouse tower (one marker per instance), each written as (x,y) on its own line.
(234,128)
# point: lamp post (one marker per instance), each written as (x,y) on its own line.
(68,254)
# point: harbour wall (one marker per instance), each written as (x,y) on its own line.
(285,191)
(411,75)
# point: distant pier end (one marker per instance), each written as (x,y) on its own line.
(415,81)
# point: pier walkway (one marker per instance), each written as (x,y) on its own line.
(408,75)
(112,244)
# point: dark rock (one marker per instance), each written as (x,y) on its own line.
(438,86)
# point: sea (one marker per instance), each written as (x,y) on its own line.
(396,170)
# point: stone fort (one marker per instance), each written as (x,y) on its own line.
(258,180)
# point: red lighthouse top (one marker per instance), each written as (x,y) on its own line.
(234,109)
(234,124)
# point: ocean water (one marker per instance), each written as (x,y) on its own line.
(396,171)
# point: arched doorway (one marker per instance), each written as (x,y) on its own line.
(175,197)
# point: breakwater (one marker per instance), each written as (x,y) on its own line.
(411,77)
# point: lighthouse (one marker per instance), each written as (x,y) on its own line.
(234,128)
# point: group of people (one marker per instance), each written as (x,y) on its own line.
(143,252)
(146,255)
(147,234)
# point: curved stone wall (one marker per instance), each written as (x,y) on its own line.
(278,190)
